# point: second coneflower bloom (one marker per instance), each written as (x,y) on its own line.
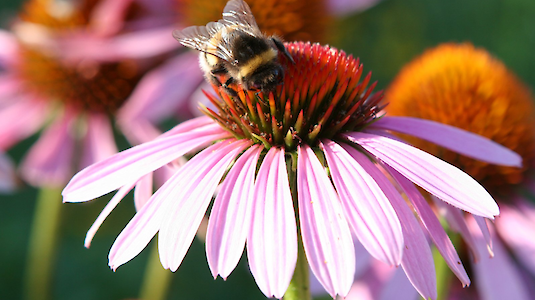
(319,148)
(464,86)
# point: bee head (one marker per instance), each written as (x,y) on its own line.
(265,79)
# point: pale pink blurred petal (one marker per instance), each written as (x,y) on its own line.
(231,215)
(161,91)
(433,226)
(129,165)
(198,98)
(368,210)
(140,131)
(325,232)
(21,118)
(143,191)
(456,220)
(107,18)
(106,212)
(135,45)
(8,50)
(399,287)
(191,194)
(346,7)
(497,277)
(49,161)
(99,142)
(452,138)
(517,230)
(432,174)
(272,239)
(10,87)
(417,260)
(7,174)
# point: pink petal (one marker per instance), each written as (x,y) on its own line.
(10,87)
(7,174)
(366,207)
(457,222)
(452,138)
(191,194)
(497,277)
(231,215)
(272,239)
(99,142)
(129,165)
(163,90)
(139,132)
(399,287)
(433,226)
(417,260)
(135,45)
(9,47)
(346,7)
(108,16)
(324,229)
(517,230)
(50,160)
(143,191)
(20,119)
(482,224)
(105,213)
(432,174)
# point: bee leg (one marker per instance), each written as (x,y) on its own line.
(218,71)
(281,48)
(228,89)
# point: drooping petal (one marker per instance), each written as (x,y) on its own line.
(143,191)
(324,229)
(49,161)
(129,165)
(272,239)
(19,119)
(497,277)
(161,91)
(517,230)
(230,219)
(191,194)
(433,226)
(452,138)
(368,210)
(106,212)
(432,174)
(7,174)
(148,220)
(457,222)
(99,142)
(417,260)
(482,224)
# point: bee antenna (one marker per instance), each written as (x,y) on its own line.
(281,48)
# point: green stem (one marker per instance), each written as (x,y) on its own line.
(299,288)
(157,279)
(444,274)
(42,245)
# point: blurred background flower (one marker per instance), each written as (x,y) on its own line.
(464,86)
(386,36)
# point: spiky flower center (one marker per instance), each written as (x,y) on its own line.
(321,96)
(301,20)
(465,87)
(91,86)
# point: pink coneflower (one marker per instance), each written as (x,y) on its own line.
(320,145)
(72,101)
(464,86)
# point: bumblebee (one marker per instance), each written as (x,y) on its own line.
(235,51)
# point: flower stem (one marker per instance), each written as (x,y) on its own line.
(157,280)
(299,288)
(42,245)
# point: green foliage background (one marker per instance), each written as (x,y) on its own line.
(385,37)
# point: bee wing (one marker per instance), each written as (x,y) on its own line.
(201,39)
(237,13)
